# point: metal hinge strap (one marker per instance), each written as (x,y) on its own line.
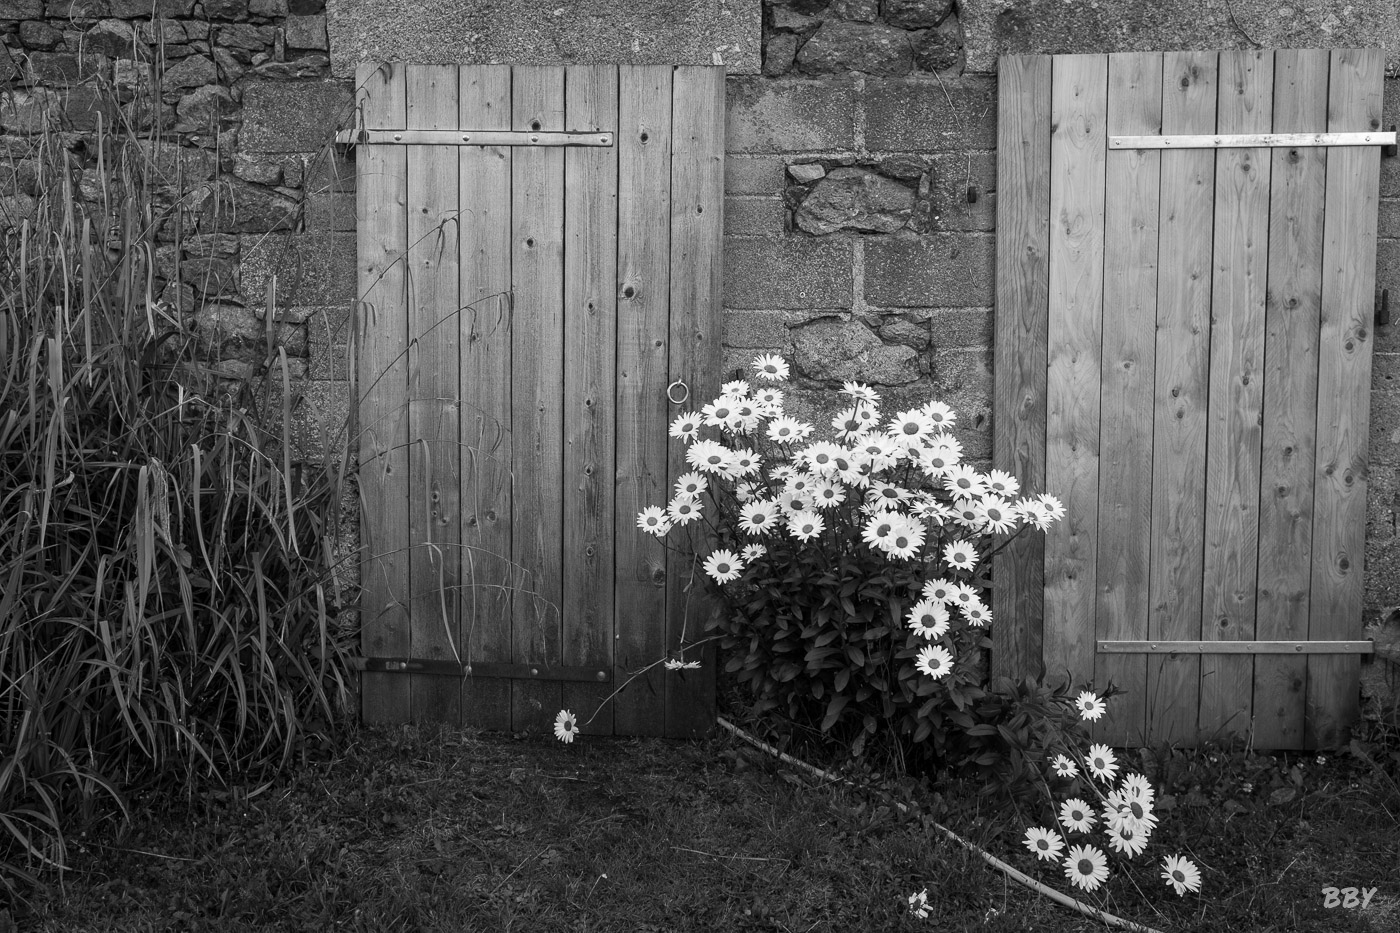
(490,669)
(1237,647)
(1251,140)
(528,138)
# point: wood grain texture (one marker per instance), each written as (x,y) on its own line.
(1181,387)
(643,415)
(484,244)
(1019,361)
(1126,388)
(1343,387)
(434,465)
(1292,309)
(590,417)
(696,326)
(1077,155)
(537,390)
(382,376)
(1233,433)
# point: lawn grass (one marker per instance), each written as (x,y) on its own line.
(429,829)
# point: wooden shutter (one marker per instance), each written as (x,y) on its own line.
(539,258)
(1183,357)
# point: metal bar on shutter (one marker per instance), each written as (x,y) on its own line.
(393,137)
(1236,647)
(1251,140)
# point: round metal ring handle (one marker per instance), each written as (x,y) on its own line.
(677,401)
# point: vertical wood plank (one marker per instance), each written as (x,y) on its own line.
(382,374)
(1079,88)
(643,255)
(433,457)
(590,341)
(537,388)
(1127,387)
(1180,396)
(1018,438)
(1343,387)
(1292,309)
(484,245)
(697,225)
(1234,411)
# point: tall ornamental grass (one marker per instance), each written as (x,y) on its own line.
(168,589)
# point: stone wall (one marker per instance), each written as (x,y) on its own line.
(860,179)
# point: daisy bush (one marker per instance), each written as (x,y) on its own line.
(855,573)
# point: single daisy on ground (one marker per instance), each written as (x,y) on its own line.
(1076,816)
(565,726)
(929,618)
(940,590)
(683,510)
(805,525)
(723,566)
(918,904)
(1044,843)
(1102,762)
(1086,867)
(686,427)
(758,516)
(1064,767)
(1181,874)
(652,520)
(1090,706)
(771,367)
(961,555)
(935,661)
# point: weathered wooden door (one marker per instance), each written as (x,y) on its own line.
(539,258)
(1183,356)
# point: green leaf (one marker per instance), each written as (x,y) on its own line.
(843,677)
(833,711)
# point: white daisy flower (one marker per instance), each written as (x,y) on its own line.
(565,726)
(934,660)
(1076,816)
(912,425)
(965,594)
(860,390)
(828,494)
(683,510)
(759,516)
(965,513)
(918,904)
(1090,706)
(1127,841)
(1044,843)
(940,590)
(961,555)
(1086,867)
(753,552)
(745,491)
(1003,484)
(1053,505)
(673,664)
(709,456)
(940,414)
(796,501)
(1134,815)
(887,495)
(743,462)
(771,367)
(804,526)
(653,521)
(1034,512)
(852,467)
(691,484)
(819,457)
(880,527)
(686,427)
(801,483)
(996,513)
(785,430)
(781,474)
(723,566)
(928,618)
(1137,787)
(771,400)
(1102,762)
(739,389)
(719,413)
(963,480)
(928,507)
(1181,874)
(1064,767)
(906,540)
(851,423)
(978,615)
